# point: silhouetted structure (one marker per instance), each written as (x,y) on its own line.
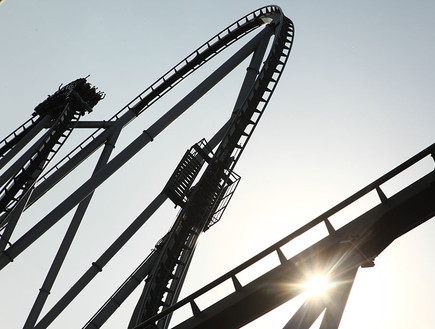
(201,185)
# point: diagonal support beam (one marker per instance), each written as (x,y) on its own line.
(306,314)
(68,239)
(113,249)
(337,299)
(132,149)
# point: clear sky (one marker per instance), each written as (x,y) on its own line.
(356,99)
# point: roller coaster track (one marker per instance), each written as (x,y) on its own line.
(163,85)
(17,135)
(202,203)
(338,255)
(61,112)
(202,186)
(22,181)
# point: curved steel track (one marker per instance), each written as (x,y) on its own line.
(163,284)
(164,281)
(178,73)
(201,185)
(166,267)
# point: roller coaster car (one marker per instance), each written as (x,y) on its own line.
(79,92)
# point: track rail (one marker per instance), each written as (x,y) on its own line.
(193,219)
(24,179)
(174,76)
(165,281)
(205,198)
(14,137)
(61,112)
(357,246)
(199,198)
(166,278)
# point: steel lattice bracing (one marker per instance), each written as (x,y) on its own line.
(177,249)
(202,199)
(201,185)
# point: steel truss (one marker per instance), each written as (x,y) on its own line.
(201,185)
(202,204)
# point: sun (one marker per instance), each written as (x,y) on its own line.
(316,286)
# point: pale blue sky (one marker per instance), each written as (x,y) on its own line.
(356,99)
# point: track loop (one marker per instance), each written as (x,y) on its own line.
(179,72)
(196,215)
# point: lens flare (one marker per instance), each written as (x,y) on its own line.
(316,286)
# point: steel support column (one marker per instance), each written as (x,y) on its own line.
(306,314)
(337,298)
(333,300)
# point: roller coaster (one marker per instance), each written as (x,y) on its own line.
(201,186)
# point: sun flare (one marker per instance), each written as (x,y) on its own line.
(316,286)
